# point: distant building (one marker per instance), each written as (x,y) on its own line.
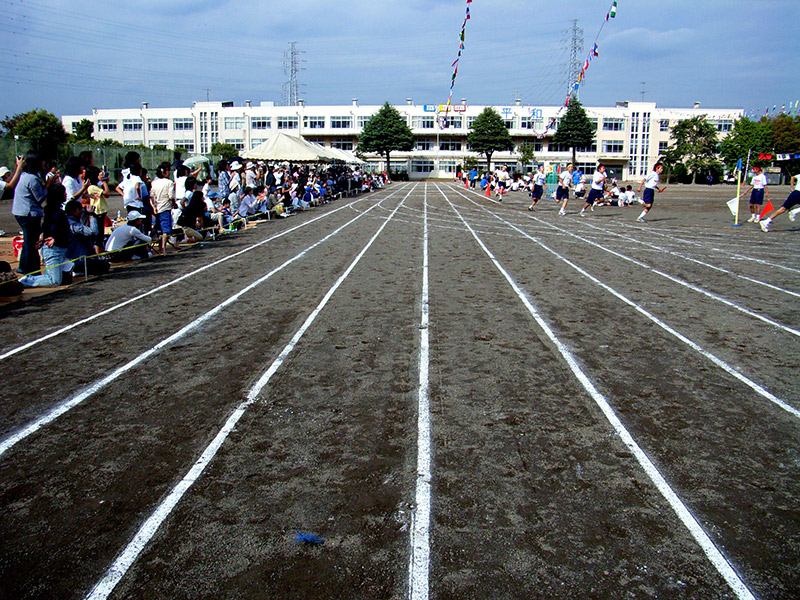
(630,135)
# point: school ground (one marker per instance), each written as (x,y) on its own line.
(459,398)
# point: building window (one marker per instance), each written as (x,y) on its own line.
(538,146)
(509,123)
(341,122)
(188,145)
(234,123)
(663,125)
(238,144)
(450,145)
(553,147)
(260,123)
(399,167)
(157,124)
(314,122)
(256,141)
(131,124)
(158,143)
(591,148)
(531,123)
(183,124)
(452,122)
(421,166)
(362,121)
(423,144)
(132,143)
(663,147)
(287,122)
(448,166)
(610,124)
(422,123)
(344,144)
(613,146)
(106,125)
(470,121)
(725,125)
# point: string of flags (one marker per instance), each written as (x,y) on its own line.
(791,109)
(458,58)
(594,53)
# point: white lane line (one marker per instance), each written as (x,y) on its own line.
(674,279)
(82,395)
(694,346)
(652,246)
(159,288)
(419,567)
(722,565)
(128,556)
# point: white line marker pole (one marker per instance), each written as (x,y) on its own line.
(722,565)
(82,395)
(159,288)
(419,567)
(117,570)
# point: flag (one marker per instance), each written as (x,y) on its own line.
(594,50)
(767,209)
(738,168)
(733,205)
(613,11)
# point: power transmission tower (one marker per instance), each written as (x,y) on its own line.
(575,56)
(291,65)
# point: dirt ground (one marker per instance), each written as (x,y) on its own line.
(687,326)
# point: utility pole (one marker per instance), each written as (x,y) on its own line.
(575,55)
(291,65)
(643,90)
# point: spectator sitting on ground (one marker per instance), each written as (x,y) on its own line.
(127,241)
(191,219)
(54,241)
(247,205)
(83,233)
(214,214)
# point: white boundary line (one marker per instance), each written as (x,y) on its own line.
(159,288)
(82,395)
(696,347)
(690,259)
(723,567)
(673,279)
(117,570)
(419,567)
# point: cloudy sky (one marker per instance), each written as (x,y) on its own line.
(69,57)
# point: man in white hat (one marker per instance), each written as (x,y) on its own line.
(8,180)
(124,237)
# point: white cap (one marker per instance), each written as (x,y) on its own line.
(4,171)
(133,215)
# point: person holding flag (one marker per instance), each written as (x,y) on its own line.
(650,184)
(759,186)
(792,204)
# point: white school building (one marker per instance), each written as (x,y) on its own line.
(630,136)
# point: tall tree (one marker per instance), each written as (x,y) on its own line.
(746,136)
(39,126)
(84,130)
(575,129)
(385,132)
(695,145)
(489,134)
(786,140)
(527,152)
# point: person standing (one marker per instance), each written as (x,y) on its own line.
(758,185)
(596,193)
(562,193)
(164,202)
(29,194)
(650,184)
(792,204)
(539,185)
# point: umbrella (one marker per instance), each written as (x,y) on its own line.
(195,160)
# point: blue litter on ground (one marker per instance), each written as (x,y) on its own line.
(308,538)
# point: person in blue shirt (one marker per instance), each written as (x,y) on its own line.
(29,194)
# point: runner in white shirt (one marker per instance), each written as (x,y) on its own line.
(562,193)
(792,204)
(596,193)
(650,184)
(539,179)
(759,186)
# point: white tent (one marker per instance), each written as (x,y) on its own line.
(346,156)
(280,147)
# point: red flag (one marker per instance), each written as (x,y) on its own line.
(767,209)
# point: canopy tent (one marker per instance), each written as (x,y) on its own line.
(346,156)
(280,147)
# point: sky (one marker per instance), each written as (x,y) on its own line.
(70,57)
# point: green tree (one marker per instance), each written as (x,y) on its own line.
(786,140)
(470,162)
(84,130)
(385,132)
(227,151)
(527,153)
(747,136)
(695,145)
(489,134)
(575,129)
(39,126)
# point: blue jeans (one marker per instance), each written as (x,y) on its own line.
(28,256)
(53,259)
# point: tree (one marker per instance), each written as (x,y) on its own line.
(786,140)
(227,151)
(386,131)
(746,136)
(84,130)
(489,134)
(526,153)
(695,145)
(39,126)
(575,129)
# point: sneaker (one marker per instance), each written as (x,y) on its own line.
(764,226)
(752,219)
(582,213)
(562,213)
(640,219)
(530,208)
(793,214)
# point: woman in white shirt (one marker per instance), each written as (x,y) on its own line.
(130,189)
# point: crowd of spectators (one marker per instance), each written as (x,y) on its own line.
(65,223)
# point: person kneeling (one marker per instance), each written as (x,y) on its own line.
(126,242)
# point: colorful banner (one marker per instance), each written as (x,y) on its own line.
(611,14)
(467,17)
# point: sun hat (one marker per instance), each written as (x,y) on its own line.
(235,165)
(133,215)
(4,171)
